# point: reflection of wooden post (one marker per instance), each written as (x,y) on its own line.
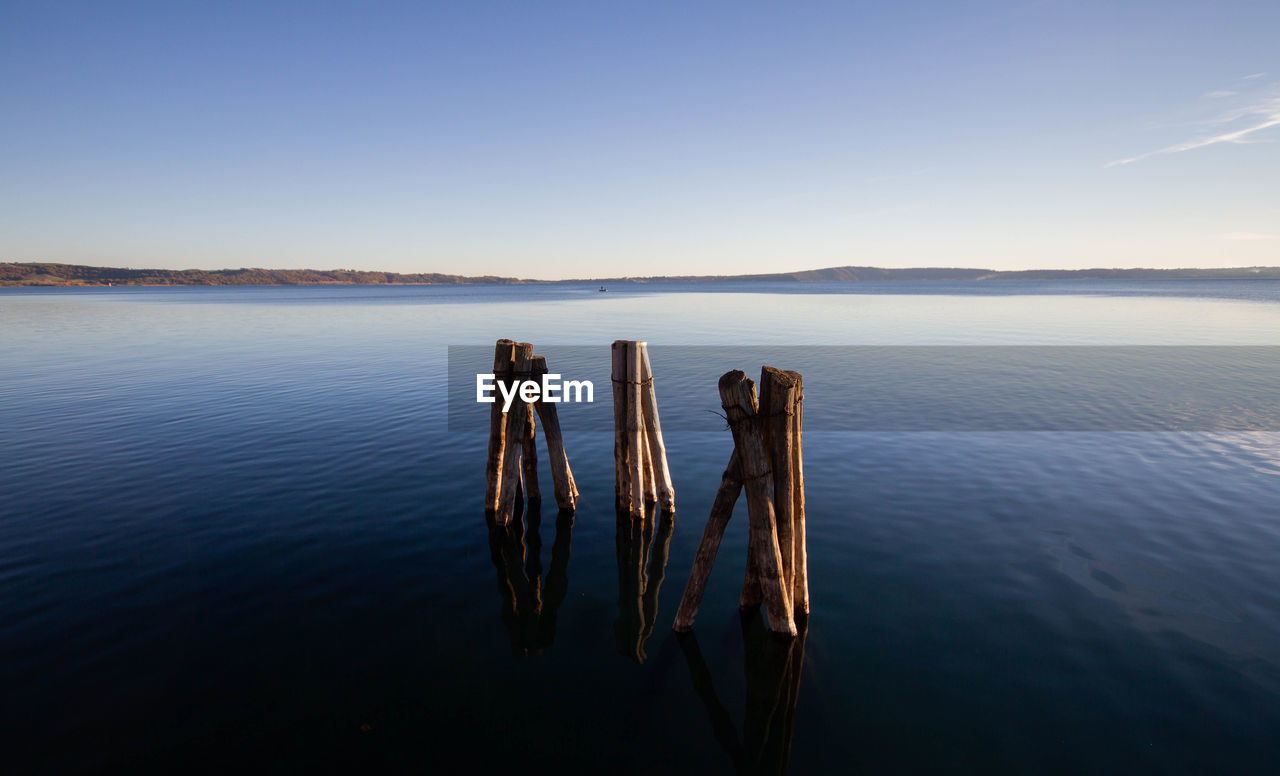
(528,608)
(503,356)
(561,475)
(774,671)
(657,448)
(721,511)
(643,545)
(738,398)
(516,427)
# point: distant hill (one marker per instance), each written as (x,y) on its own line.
(36,274)
(77,275)
(881,274)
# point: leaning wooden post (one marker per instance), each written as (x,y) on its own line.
(621,465)
(721,511)
(653,431)
(503,356)
(778,391)
(635,429)
(561,475)
(738,398)
(515,429)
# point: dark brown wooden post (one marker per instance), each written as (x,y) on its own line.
(503,358)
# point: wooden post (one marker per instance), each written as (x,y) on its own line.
(622,471)
(777,409)
(566,490)
(529,454)
(635,429)
(516,427)
(653,430)
(738,398)
(721,511)
(752,593)
(650,482)
(503,358)
(800,577)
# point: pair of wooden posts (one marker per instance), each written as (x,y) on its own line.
(767,462)
(641,474)
(513,454)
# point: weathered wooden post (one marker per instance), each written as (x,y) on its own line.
(641,472)
(777,407)
(621,456)
(515,430)
(566,490)
(511,469)
(503,360)
(766,462)
(653,429)
(635,429)
(800,581)
(529,454)
(738,398)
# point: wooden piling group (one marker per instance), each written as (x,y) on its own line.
(512,465)
(641,473)
(766,463)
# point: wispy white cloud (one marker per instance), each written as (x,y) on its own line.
(1253,75)
(1250,236)
(1252,113)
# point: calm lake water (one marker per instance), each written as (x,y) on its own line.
(235,529)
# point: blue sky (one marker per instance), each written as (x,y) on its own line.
(596,138)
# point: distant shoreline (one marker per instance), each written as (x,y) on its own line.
(73,275)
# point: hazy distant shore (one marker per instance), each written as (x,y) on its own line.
(42,274)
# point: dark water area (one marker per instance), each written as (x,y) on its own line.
(235,528)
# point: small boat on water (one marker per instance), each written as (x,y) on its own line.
(603,289)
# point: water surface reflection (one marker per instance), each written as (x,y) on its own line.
(774,666)
(643,545)
(528,607)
